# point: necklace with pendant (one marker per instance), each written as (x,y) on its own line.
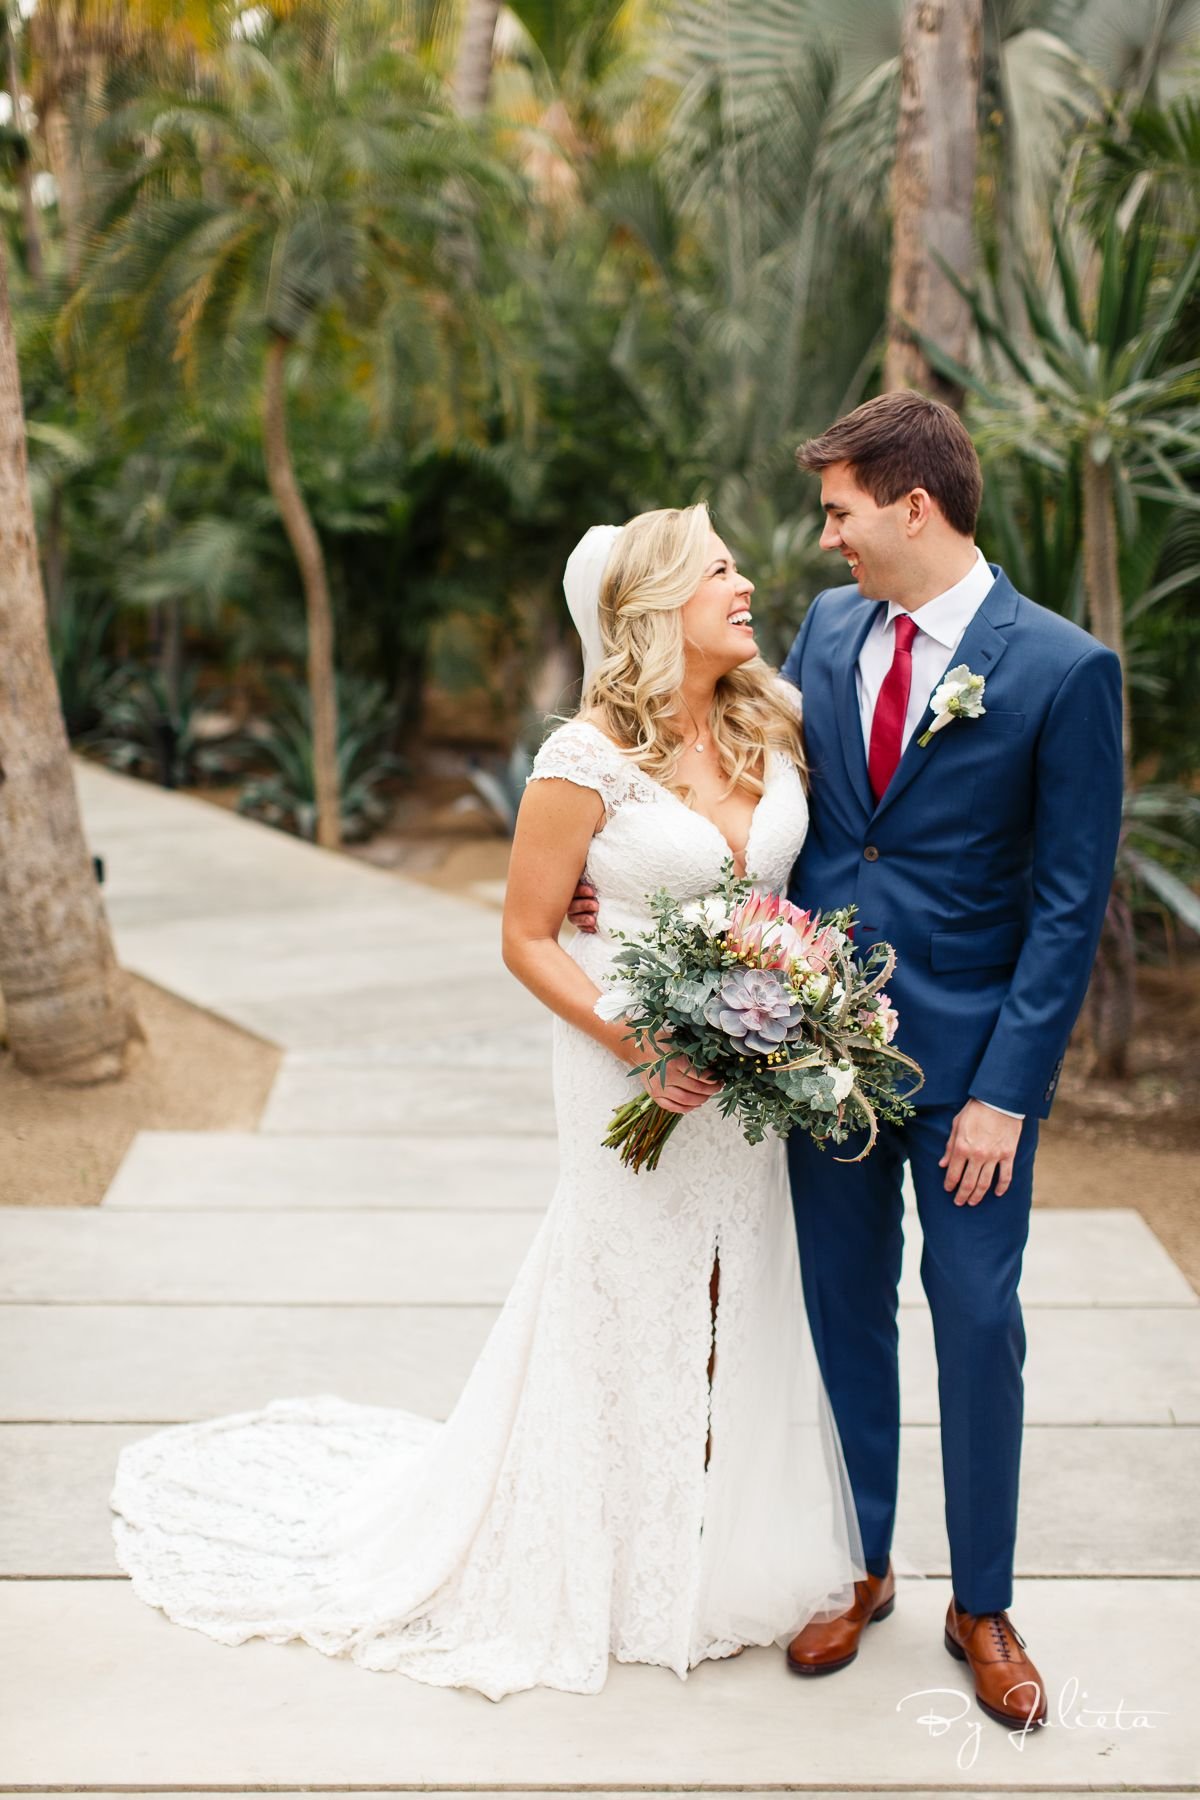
(699,746)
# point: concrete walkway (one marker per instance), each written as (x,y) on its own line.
(360,1243)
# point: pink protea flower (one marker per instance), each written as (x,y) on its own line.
(886,1016)
(767,930)
(881,1019)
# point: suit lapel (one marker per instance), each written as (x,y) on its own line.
(983,644)
(849,715)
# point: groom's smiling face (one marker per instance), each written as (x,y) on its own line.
(872,538)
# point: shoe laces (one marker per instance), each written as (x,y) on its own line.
(1000,1624)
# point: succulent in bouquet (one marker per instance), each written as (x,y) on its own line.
(775,1003)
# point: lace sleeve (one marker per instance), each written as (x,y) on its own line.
(576,752)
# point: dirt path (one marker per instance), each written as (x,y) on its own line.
(1079,1166)
(62,1146)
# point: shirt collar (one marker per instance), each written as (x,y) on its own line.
(947,617)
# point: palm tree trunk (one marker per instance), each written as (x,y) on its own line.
(54,47)
(306,546)
(473,67)
(31,231)
(68,1010)
(1112,997)
(170,652)
(60,151)
(1101,574)
(933,188)
(1112,1000)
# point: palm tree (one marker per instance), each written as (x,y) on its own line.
(31,228)
(1048,68)
(933,191)
(1091,391)
(71,49)
(472,79)
(68,1011)
(294,193)
(779,316)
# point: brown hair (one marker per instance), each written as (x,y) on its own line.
(902,441)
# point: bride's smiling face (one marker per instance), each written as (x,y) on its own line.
(717,626)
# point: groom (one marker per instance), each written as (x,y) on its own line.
(984,854)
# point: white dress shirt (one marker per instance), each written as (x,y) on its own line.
(940,624)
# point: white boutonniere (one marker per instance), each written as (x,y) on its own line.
(960,696)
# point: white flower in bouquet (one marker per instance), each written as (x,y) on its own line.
(843,1077)
(711,912)
(619,1001)
(819,990)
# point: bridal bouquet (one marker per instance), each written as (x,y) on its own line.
(773,1002)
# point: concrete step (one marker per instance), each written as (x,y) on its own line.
(349,1258)
(170,858)
(255,1172)
(427,1099)
(1085,1365)
(441,1254)
(1135,1485)
(162,1363)
(1104,1256)
(153,1705)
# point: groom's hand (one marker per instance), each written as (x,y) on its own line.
(584,907)
(980,1148)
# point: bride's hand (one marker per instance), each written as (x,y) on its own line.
(682,1089)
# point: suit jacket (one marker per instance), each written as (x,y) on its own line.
(989,860)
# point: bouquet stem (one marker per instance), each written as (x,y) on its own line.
(639,1129)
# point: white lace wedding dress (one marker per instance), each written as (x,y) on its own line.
(564,1514)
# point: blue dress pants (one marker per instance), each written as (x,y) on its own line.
(849,1226)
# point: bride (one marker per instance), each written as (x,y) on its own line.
(643,1463)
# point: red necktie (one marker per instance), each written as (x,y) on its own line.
(887,725)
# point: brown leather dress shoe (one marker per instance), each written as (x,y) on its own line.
(829,1644)
(1007,1686)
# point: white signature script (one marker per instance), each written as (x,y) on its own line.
(1068,1714)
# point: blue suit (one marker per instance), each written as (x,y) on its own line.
(987,864)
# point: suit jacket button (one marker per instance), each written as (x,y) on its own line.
(871,853)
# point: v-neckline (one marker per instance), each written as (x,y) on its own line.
(694,812)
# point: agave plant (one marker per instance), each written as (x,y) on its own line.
(82,667)
(1163,817)
(1093,393)
(1088,398)
(501,783)
(287,796)
(147,729)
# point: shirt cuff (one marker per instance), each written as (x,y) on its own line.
(1000,1109)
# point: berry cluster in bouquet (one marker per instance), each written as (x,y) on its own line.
(775,1003)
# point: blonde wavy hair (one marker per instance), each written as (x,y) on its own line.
(656,565)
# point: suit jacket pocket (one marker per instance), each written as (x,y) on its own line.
(982,947)
(994,721)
